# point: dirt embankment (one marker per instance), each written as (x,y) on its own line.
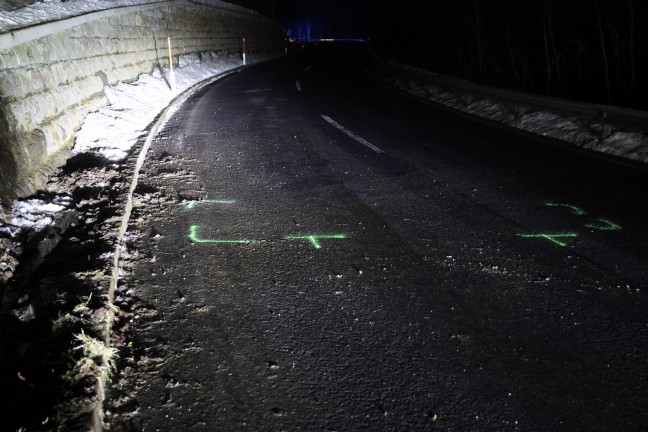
(53,285)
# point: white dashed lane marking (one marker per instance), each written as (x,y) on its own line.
(361,140)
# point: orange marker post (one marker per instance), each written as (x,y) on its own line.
(171,73)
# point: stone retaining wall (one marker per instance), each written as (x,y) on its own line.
(48,85)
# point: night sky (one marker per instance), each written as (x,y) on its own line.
(332,18)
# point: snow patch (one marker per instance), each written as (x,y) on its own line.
(9,232)
(36,214)
(555,126)
(189,59)
(115,129)
(629,144)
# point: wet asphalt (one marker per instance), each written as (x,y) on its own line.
(455,277)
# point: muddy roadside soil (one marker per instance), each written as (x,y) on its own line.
(53,289)
(143,351)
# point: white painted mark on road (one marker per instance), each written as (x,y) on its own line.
(361,140)
(298,85)
(308,68)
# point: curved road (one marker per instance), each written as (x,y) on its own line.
(318,253)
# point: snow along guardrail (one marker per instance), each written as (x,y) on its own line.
(53,75)
(607,129)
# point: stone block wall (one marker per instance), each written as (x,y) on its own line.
(48,85)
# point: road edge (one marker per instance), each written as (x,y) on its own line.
(98,413)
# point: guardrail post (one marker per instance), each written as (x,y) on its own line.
(243,49)
(468,99)
(520,111)
(606,131)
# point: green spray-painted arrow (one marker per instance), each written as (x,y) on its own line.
(193,236)
(551,237)
(315,238)
(605,225)
(573,208)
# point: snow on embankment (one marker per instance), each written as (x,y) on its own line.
(53,75)
(113,130)
(627,144)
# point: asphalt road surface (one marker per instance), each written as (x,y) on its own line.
(319,254)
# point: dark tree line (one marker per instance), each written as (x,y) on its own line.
(591,50)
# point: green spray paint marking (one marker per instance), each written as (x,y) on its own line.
(551,237)
(193,236)
(576,210)
(605,225)
(192,204)
(314,239)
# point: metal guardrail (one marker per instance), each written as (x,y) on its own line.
(605,115)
